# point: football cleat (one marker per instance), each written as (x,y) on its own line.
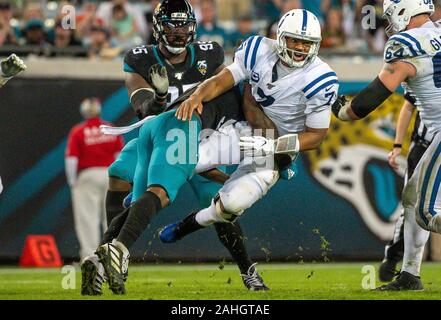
(252,280)
(114,256)
(404,281)
(167,234)
(387,270)
(92,276)
(176,231)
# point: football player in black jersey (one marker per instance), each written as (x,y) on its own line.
(155,77)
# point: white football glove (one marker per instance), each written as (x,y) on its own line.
(11,66)
(159,79)
(257,145)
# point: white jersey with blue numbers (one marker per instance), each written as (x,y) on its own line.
(421,47)
(302,97)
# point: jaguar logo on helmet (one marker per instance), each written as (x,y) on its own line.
(174,25)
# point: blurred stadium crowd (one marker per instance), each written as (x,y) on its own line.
(106,29)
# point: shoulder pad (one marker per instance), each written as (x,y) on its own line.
(251,50)
(402,46)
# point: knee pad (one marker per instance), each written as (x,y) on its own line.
(232,204)
(225,215)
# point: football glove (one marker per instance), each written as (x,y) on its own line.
(159,79)
(257,145)
(11,66)
(340,107)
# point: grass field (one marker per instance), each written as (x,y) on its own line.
(211,281)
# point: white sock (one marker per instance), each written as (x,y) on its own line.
(415,239)
(208,216)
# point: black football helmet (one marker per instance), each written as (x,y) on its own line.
(174,24)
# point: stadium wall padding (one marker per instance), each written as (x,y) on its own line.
(340,206)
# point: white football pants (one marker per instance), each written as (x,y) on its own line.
(253,177)
(422,192)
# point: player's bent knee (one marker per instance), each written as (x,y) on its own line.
(228,212)
(237,201)
(162,195)
(117,184)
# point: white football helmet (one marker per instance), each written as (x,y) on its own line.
(399,12)
(303,25)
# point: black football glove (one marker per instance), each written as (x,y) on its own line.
(339,108)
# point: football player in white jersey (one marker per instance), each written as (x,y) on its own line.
(9,68)
(412,57)
(295,90)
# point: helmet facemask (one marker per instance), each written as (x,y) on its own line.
(397,22)
(295,58)
(175,33)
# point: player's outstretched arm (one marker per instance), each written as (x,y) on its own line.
(10,67)
(207,91)
(369,99)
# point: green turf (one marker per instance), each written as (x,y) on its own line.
(211,281)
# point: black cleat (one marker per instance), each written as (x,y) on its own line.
(387,270)
(252,280)
(404,281)
(114,258)
(92,276)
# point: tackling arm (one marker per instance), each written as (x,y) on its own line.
(392,75)
(311,138)
(207,91)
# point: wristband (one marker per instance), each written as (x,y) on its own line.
(398,145)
